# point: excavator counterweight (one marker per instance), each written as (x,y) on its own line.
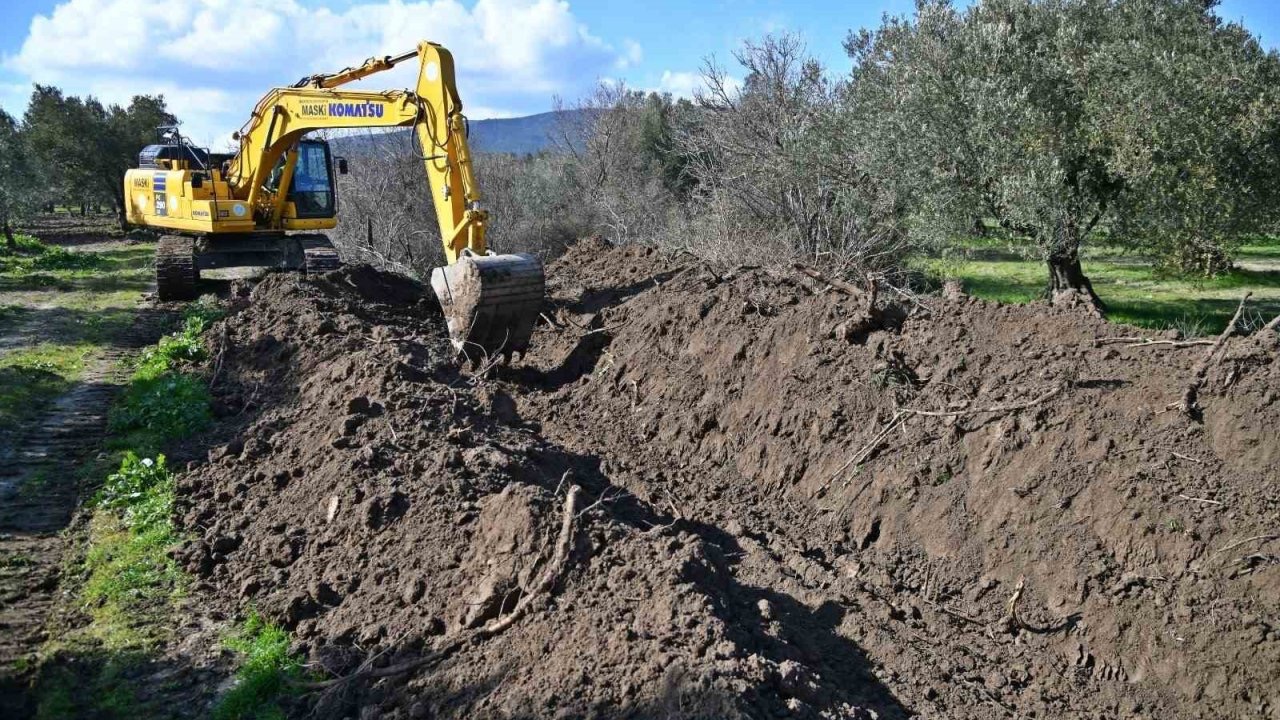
(268,203)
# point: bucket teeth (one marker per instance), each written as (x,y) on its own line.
(490,303)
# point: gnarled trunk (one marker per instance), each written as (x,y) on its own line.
(9,240)
(117,198)
(1067,279)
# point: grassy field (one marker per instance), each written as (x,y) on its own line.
(1134,290)
(57,307)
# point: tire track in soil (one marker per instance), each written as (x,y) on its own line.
(39,491)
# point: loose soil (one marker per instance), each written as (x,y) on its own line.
(795,502)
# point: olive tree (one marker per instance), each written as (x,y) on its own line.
(19,182)
(1060,118)
(623,166)
(85,147)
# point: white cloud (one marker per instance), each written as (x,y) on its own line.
(684,84)
(212,58)
(681,84)
(632,55)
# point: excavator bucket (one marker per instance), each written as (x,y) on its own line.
(490,303)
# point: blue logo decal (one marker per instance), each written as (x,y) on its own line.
(358,110)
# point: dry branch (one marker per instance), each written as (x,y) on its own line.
(866,450)
(844,287)
(1206,501)
(1147,342)
(1188,404)
(993,409)
(1011,618)
(1238,543)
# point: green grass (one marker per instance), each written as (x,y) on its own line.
(31,377)
(1135,291)
(41,276)
(164,402)
(264,675)
(129,574)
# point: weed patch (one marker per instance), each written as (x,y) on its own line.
(31,255)
(127,564)
(163,401)
(264,677)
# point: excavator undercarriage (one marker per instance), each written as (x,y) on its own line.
(180,258)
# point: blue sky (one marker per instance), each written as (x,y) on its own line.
(213,58)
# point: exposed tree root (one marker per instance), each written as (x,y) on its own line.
(1189,404)
(993,409)
(550,575)
(1135,341)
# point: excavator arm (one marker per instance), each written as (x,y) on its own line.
(433,110)
(491,302)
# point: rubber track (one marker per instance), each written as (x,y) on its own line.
(176,272)
(319,255)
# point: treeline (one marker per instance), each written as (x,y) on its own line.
(72,151)
(1152,124)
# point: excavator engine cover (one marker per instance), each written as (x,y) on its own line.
(490,302)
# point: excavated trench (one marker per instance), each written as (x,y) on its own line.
(794,502)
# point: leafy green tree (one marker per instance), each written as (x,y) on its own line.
(62,133)
(18,180)
(1194,131)
(1058,119)
(87,147)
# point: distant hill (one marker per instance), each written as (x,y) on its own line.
(518,136)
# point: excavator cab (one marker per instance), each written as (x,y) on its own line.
(311,194)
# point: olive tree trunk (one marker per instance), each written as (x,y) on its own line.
(10,241)
(1066,277)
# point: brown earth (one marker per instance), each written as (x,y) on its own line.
(768,524)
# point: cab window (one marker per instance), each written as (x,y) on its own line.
(311,191)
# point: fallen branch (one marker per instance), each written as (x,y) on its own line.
(994,409)
(1188,404)
(1147,342)
(1275,323)
(844,287)
(1206,501)
(1255,538)
(869,447)
(549,576)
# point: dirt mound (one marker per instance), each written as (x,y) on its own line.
(385,506)
(796,502)
(845,443)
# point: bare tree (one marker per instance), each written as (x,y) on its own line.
(769,174)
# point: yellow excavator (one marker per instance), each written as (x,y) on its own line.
(265,204)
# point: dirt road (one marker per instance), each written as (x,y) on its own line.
(64,360)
